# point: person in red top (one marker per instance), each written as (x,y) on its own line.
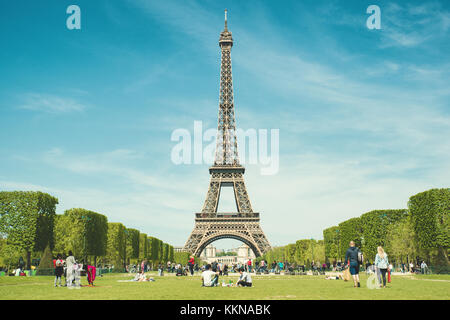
(249,265)
(191,263)
(59,269)
(90,273)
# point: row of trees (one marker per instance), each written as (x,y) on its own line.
(422,230)
(302,252)
(29,224)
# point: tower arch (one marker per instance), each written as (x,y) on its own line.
(212,238)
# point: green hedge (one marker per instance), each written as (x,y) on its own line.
(331,239)
(374,226)
(82,231)
(28,224)
(27,220)
(116,245)
(430,217)
(430,213)
(132,243)
(350,230)
(143,246)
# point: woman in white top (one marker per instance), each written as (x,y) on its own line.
(70,276)
(382,263)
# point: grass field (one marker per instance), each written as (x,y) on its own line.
(272,287)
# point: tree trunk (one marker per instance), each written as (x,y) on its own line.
(28,266)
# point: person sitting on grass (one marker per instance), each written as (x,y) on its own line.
(209,277)
(245,280)
(145,278)
(140,276)
(179,270)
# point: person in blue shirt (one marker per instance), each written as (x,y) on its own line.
(280,266)
(351,259)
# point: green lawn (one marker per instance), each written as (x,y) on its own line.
(273,287)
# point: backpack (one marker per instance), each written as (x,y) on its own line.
(360,257)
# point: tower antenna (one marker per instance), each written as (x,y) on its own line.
(225,19)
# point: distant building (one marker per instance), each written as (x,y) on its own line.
(243,254)
(209,252)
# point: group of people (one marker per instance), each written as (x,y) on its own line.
(354,258)
(141,277)
(71,270)
(415,268)
(211,272)
(170,267)
(210,277)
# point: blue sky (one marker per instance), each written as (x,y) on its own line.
(363,115)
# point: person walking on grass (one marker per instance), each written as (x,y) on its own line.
(59,269)
(191,263)
(423,267)
(249,265)
(382,264)
(70,276)
(352,260)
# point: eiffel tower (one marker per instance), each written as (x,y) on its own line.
(242,225)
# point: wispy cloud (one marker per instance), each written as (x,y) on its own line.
(408,25)
(115,163)
(50,103)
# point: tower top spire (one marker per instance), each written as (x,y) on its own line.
(225,36)
(226,29)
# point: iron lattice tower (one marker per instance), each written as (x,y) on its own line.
(243,225)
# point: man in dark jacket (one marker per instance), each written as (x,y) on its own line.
(351,259)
